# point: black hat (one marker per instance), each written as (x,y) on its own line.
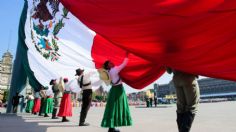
(79,72)
(105,65)
(51,82)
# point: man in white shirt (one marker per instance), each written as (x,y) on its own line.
(84,82)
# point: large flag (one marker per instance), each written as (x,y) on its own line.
(55,43)
(192,36)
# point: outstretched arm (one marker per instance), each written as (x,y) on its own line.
(124,63)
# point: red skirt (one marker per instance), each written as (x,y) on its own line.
(65,107)
(37,103)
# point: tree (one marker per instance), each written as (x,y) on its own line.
(5,96)
(99,98)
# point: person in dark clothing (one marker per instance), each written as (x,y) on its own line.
(151,102)
(22,104)
(155,101)
(15,101)
(147,102)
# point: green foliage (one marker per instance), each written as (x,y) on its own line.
(99,98)
(58,27)
(5,96)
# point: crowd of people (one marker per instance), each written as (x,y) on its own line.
(56,100)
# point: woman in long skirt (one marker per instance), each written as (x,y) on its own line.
(48,108)
(117,111)
(30,104)
(37,103)
(65,106)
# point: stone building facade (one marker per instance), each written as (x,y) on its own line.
(6,66)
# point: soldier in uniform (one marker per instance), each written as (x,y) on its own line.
(57,90)
(188,95)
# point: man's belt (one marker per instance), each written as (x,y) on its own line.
(87,84)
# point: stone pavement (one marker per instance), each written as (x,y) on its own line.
(212,117)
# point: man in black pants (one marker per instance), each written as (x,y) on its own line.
(85,84)
(15,101)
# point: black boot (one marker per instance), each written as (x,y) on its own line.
(54,113)
(82,120)
(113,130)
(187,122)
(84,124)
(46,115)
(64,119)
(180,117)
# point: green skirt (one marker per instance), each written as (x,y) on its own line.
(48,105)
(29,106)
(117,111)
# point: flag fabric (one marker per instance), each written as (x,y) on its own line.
(191,36)
(197,36)
(57,43)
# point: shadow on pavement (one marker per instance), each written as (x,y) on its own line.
(27,123)
(14,123)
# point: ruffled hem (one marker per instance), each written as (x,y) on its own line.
(111,123)
(65,107)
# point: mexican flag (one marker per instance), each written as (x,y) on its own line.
(54,43)
(192,36)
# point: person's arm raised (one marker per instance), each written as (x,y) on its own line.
(124,63)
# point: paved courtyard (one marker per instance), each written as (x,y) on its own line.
(212,117)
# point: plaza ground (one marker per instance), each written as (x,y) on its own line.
(212,117)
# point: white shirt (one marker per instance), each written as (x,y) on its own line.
(30,97)
(114,72)
(49,92)
(86,80)
(67,87)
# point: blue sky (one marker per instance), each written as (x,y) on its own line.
(10,11)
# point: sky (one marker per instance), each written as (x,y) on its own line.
(10,11)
